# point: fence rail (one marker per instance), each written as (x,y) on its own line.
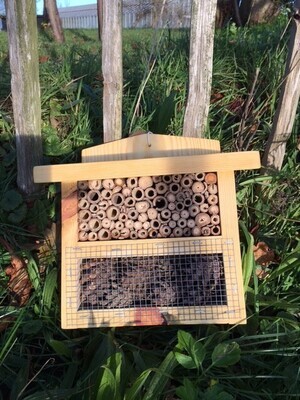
(136,14)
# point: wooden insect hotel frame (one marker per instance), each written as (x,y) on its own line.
(150,233)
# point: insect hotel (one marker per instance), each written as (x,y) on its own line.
(150,233)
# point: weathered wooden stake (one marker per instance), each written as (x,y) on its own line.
(288,102)
(200,67)
(112,69)
(25,87)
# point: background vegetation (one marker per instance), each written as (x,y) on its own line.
(259,360)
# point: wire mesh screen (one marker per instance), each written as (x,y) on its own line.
(188,277)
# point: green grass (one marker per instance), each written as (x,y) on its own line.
(260,360)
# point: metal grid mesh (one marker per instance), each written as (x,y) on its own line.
(189,278)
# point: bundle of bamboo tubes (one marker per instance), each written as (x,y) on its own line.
(149,207)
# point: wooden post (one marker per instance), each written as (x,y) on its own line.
(288,102)
(25,87)
(200,67)
(112,69)
(55,21)
(100,17)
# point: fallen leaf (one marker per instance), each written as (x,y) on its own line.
(263,255)
(19,285)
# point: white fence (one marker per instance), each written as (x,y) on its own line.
(136,14)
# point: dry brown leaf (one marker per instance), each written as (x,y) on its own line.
(19,284)
(263,255)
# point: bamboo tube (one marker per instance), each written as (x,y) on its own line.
(103,204)
(187,202)
(106,223)
(124,233)
(198,187)
(181,223)
(95,224)
(212,199)
(198,198)
(82,185)
(94,208)
(184,214)
(165,214)
(106,194)
(193,210)
(160,203)
(205,231)
(171,198)
(179,206)
(143,217)
(196,231)
(82,194)
(152,233)
(172,224)
(188,193)
(129,224)
(215,230)
(199,176)
(117,189)
(212,189)
(142,233)
(95,184)
(129,202)
(178,231)
(165,231)
(84,226)
(142,206)
(152,213)
(115,234)
(155,224)
(161,188)
(146,225)
(123,217)
(210,177)
(94,196)
(133,235)
(104,234)
(138,193)
(82,236)
(202,219)
(83,204)
(92,236)
(132,182)
(119,182)
(174,187)
(180,197)
(145,182)
(215,219)
(167,179)
(117,199)
(101,214)
(126,191)
(138,225)
(204,207)
(119,225)
(175,216)
(176,178)
(213,210)
(84,215)
(150,193)
(186,182)
(133,214)
(108,184)
(112,213)
(187,232)
(172,206)
(190,223)
(157,178)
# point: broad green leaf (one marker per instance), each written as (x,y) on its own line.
(49,288)
(18,214)
(186,361)
(216,392)
(248,262)
(107,387)
(60,348)
(185,341)
(188,391)
(198,353)
(11,200)
(137,386)
(226,354)
(161,377)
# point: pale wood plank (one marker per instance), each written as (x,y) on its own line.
(147,167)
